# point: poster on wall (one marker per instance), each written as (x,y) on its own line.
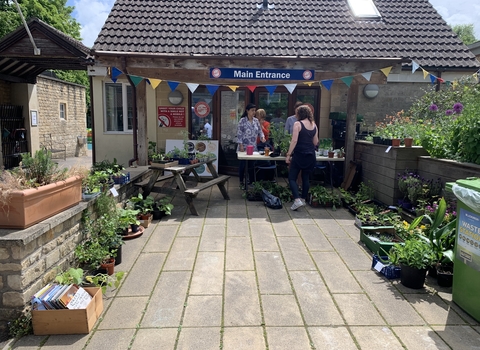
(171,117)
(197,146)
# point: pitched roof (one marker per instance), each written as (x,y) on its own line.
(318,29)
(18,62)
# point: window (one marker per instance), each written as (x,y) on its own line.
(118,107)
(63,111)
(364,9)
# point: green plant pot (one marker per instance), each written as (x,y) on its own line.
(378,247)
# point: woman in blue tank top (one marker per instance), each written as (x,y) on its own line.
(301,154)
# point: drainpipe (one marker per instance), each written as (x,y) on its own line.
(134,119)
(92,115)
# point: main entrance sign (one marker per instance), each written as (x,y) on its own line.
(261,74)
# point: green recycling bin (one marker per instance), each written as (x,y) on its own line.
(466,268)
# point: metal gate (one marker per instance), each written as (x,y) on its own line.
(14,135)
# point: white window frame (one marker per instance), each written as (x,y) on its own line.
(125,86)
(364,9)
(64,112)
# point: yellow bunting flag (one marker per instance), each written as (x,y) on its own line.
(154,82)
(425,73)
(233,87)
(386,71)
(309,83)
(454,84)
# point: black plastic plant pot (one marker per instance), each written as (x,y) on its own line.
(412,277)
(134,228)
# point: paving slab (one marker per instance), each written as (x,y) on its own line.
(239,255)
(271,272)
(332,338)
(376,338)
(207,277)
(203,310)
(287,338)
(235,338)
(199,338)
(288,314)
(295,254)
(242,303)
(149,338)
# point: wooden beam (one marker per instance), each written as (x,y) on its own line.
(142,147)
(351,123)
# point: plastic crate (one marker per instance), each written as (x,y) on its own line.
(389,271)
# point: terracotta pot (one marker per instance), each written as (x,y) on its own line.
(28,207)
(408,141)
(109,266)
(395,142)
(331,154)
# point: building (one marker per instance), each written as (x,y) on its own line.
(162,69)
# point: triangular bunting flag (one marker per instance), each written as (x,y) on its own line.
(251,88)
(367,75)
(154,82)
(425,73)
(440,80)
(207,100)
(432,78)
(454,84)
(290,87)
(173,85)
(347,80)
(233,87)
(415,66)
(327,83)
(212,89)
(475,75)
(115,73)
(309,83)
(271,89)
(136,80)
(448,82)
(386,71)
(192,87)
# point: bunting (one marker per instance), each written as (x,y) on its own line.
(173,85)
(212,89)
(415,66)
(367,75)
(192,87)
(271,89)
(115,73)
(290,87)
(386,71)
(347,80)
(136,80)
(327,83)
(154,82)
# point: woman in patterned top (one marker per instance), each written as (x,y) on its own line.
(247,132)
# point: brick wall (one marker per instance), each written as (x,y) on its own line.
(51,92)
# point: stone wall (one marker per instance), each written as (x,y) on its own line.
(31,258)
(5,93)
(51,92)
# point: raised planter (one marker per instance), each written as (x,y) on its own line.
(372,237)
(28,207)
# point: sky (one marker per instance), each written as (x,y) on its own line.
(91,14)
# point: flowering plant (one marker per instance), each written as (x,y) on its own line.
(418,189)
(400,125)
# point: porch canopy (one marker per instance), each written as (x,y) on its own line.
(20,64)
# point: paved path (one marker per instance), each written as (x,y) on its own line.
(241,276)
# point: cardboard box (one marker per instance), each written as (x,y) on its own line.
(80,321)
(146,222)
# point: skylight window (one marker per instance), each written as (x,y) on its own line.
(364,9)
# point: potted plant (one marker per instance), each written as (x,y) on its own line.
(320,196)
(162,207)
(37,190)
(127,219)
(92,184)
(144,205)
(415,256)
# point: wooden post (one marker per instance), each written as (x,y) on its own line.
(142,147)
(352,100)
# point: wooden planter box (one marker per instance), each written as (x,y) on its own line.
(79,321)
(379,248)
(28,207)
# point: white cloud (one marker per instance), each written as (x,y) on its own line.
(459,12)
(91,14)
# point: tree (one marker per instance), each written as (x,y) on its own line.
(465,33)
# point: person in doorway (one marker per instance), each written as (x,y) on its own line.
(301,153)
(247,132)
(207,128)
(292,119)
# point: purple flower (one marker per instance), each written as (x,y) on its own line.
(448,112)
(433,107)
(458,107)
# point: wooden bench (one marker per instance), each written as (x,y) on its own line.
(193,192)
(54,147)
(145,183)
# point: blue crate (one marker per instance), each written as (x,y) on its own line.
(389,271)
